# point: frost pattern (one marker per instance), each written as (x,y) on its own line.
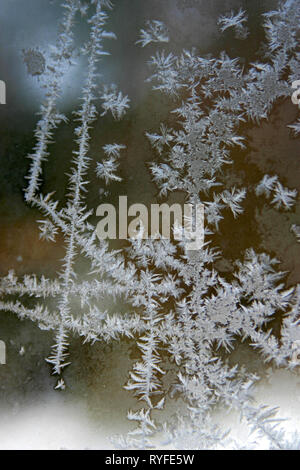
(114,102)
(180,310)
(156,31)
(237,22)
(282,197)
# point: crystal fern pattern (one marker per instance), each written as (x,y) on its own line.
(180,310)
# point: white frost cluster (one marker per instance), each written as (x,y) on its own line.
(155,31)
(114,101)
(108,167)
(282,198)
(237,22)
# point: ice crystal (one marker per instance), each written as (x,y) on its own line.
(156,31)
(107,168)
(235,21)
(282,197)
(114,102)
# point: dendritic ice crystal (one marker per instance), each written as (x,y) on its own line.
(184,315)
